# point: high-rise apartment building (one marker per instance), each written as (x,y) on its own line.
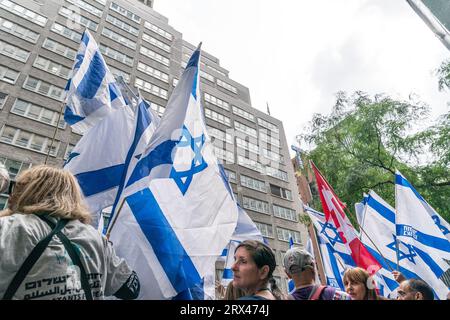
(38,43)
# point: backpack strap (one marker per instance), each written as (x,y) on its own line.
(316,292)
(75,256)
(31,260)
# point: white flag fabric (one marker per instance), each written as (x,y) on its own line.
(91,93)
(98,160)
(177,213)
(417,233)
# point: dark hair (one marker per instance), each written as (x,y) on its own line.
(421,286)
(262,255)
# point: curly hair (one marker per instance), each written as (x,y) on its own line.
(45,189)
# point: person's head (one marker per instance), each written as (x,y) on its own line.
(359,285)
(414,289)
(233,293)
(45,189)
(299,265)
(253,267)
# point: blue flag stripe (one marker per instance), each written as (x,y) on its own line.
(97,181)
(399,179)
(381,209)
(431,241)
(334,265)
(93,78)
(168,249)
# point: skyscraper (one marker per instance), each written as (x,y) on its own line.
(38,43)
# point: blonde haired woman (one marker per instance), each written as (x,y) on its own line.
(47,248)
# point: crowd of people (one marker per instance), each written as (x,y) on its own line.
(48,250)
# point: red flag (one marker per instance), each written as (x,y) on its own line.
(334,210)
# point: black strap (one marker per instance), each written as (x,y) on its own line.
(75,256)
(31,260)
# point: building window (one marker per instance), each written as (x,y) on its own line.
(255,205)
(251,164)
(3,98)
(224,155)
(220,135)
(118,38)
(87,7)
(284,213)
(151,88)
(156,42)
(285,234)
(272,155)
(76,18)
(8,75)
(244,114)
(268,125)
(14,167)
(38,113)
(122,25)
(246,145)
(245,129)
(217,102)
(207,76)
(153,72)
(18,31)
(124,12)
(52,67)
(116,55)
(276,173)
(280,192)
(231,175)
(14,52)
(254,184)
(263,135)
(217,117)
(266,229)
(59,48)
(28,140)
(44,88)
(226,86)
(157,108)
(158,30)
(66,32)
(154,56)
(23,12)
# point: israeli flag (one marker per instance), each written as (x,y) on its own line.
(418,233)
(175,213)
(99,159)
(91,93)
(333,253)
(378,223)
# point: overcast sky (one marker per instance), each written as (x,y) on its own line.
(296,54)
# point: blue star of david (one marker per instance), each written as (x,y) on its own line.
(331,238)
(184,178)
(443,229)
(401,254)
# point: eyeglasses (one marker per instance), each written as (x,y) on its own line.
(12,184)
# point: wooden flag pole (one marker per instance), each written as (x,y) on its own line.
(115,218)
(54,133)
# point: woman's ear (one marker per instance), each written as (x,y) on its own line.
(264,272)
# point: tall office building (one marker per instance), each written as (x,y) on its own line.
(38,43)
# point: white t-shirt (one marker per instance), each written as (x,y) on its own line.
(54,276)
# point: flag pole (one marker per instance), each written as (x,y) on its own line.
(317,253)
(396,238)
(54,133)
(108,233)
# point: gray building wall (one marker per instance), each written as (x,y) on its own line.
(19,157)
